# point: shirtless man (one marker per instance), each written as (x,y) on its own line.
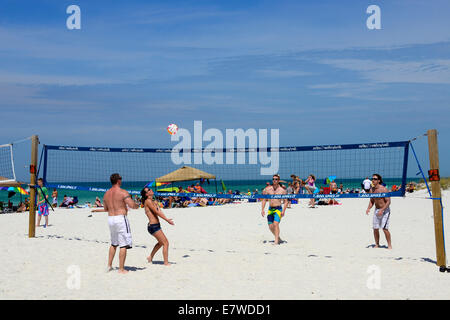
(275,210)
(333,187)
(54,198)
(154,227)
(115,202)
(382,211)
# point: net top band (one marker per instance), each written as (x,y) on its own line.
(376,145)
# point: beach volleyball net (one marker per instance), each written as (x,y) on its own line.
(7,172)
(228,173)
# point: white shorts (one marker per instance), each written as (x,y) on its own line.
(119,226)
(383,221)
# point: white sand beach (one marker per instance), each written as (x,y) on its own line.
(226,252)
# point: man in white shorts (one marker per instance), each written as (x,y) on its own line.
(115,202)
(382,211)
(366,185)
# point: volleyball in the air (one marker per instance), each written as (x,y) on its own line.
(172,129)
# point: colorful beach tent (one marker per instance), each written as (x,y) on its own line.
(185,173)
(12,187)
(4,182)
(172,189)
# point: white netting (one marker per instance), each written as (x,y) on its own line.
(7,172)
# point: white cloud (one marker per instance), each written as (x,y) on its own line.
(62,80)
(388,71)
(283,73)
(368,91)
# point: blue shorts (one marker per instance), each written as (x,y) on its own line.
(274,214)
(43,209)
(152,228)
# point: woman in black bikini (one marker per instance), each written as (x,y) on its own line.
(154,228)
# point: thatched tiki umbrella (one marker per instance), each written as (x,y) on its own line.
(186,173)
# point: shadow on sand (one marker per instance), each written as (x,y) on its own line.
(52,236)
(373,246)
(162,262)
(133,269)
(273,241)
(429,260)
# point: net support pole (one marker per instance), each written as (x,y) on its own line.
(436,192)
(33,166)
(44,174)
(405,168)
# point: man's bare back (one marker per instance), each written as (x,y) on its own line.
(115,201)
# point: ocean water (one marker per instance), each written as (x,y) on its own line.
(242,185)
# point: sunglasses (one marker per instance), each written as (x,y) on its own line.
(275,179)
(375,179)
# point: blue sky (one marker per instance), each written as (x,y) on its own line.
(310,69)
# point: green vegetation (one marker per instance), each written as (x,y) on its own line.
(445,183)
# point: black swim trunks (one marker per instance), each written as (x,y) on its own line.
(152,228)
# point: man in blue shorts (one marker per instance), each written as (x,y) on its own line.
(276,212)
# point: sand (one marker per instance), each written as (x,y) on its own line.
(227,252)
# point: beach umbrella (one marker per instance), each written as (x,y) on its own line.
(18,190)
(14,190)
(157,184)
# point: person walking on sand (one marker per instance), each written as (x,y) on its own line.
(276,212)
(42,198)
(115,202)
(382,211)
(153,213)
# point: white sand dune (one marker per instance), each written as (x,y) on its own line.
(226,252)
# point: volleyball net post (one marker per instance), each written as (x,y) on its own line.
(33,168)
(433,176)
